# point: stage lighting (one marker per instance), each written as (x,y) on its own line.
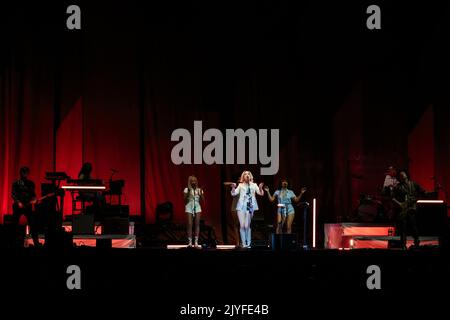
(314,223)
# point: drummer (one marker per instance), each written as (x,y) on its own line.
(285,212)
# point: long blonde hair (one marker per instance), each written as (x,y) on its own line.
(241,180)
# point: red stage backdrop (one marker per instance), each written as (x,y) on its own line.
(112,94)
(26,116)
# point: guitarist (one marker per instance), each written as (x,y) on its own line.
(24,196)
(406,194)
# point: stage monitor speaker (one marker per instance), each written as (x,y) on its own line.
(287,241)
(83,224)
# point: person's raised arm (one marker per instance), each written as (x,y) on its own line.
(299,197)
(271,197)
(260,190)
(235,190)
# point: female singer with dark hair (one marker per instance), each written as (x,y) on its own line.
(285,210)
(246,204)
(192,197)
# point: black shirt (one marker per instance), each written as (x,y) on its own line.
(23,190)
(408,191)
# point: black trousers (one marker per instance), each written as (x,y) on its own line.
(407,223)
(31,220)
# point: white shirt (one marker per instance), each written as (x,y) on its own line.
(390,182)
(246,193)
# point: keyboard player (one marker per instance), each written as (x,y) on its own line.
(87,195)
(85,172)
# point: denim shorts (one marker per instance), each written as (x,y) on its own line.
(286,211)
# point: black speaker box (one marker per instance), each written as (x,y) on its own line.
(284,241)
(431,219)
(83,224)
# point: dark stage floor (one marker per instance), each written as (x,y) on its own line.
(167,280)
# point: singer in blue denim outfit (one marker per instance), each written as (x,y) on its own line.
(285,212)
(246,204)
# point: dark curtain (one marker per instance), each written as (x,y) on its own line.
(26,103)
(110,98)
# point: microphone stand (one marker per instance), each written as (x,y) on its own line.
(305,224)
(283,211)
(194,213)
(249,207)
(193,205)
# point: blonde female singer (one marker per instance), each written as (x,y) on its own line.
(192,197)
(246,204)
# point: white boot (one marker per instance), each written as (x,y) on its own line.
(196,242)
(249,238)
(243,233)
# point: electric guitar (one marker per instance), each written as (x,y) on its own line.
(39,200)
(405,205)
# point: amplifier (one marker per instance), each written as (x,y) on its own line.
(83,224)
(432,220)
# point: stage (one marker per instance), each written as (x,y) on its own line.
(165,280)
